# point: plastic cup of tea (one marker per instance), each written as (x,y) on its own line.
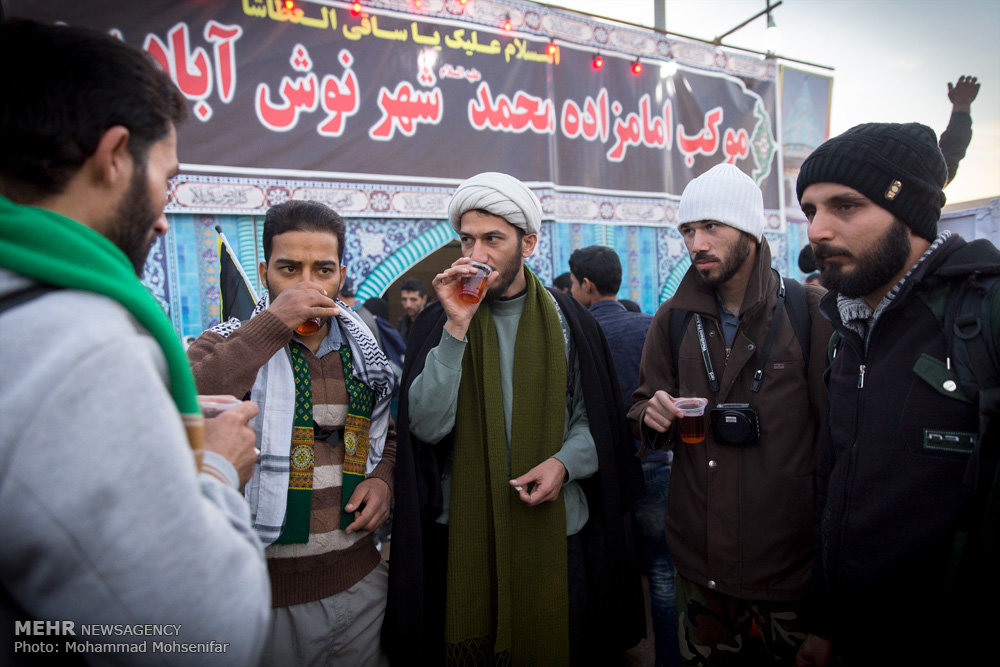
(693,422)
(309,327)
(474,284)
(213,406)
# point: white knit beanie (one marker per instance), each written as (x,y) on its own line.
(724,194)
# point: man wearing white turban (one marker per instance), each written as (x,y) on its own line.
(510,540)
(501,195)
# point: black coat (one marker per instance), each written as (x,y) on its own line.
(413,630)
(892,491)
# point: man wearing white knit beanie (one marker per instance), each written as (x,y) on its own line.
(740,520)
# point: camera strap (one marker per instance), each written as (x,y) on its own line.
(758,375)
(713,381)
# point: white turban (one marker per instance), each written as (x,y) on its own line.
(501,195)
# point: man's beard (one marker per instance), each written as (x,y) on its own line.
(738,254)
(873,268)
(508,274)
(134,217)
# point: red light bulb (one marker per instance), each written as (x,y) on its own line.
(636,67)
(356,8)
(598,62)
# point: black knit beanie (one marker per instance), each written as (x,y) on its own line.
(897,166)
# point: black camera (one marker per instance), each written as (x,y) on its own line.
(735,423)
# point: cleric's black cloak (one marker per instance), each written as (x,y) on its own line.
(413,630)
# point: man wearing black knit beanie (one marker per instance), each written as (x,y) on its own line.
(908,452)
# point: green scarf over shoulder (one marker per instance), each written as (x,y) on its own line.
(53,249)
(507,591)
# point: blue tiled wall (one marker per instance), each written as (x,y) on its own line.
(183,268)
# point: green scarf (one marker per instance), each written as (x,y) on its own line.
(361,399)
(50,248)
(298,509)
(507,591)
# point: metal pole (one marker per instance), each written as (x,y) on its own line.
(718,40)
(692,38)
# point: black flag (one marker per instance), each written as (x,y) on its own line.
(236,294)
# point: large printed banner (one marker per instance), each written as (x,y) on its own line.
(287,96)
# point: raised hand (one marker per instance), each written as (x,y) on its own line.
(963,92)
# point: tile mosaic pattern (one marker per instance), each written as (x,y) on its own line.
(182,271)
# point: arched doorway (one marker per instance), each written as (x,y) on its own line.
(424,270)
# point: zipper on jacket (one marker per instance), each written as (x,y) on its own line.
(833,567)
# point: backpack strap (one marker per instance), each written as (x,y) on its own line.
(795,303)
(679,319)
(23,295)
(798,314)
(968,325)
(972,352)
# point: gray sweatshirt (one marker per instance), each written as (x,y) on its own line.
(103,519)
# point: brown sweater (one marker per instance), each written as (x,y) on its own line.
(331,561)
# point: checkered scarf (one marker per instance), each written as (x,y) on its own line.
(274,392)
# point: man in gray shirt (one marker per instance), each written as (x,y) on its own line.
(517,472)
(115,549)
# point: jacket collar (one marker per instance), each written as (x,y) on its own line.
(833,304)
(694,295)
(606,304)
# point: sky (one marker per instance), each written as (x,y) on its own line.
(892,59)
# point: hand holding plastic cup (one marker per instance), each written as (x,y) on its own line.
(474,284)
(693,422)
(215,404)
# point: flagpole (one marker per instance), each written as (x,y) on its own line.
(239,267)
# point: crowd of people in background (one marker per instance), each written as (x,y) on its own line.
(488,481)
